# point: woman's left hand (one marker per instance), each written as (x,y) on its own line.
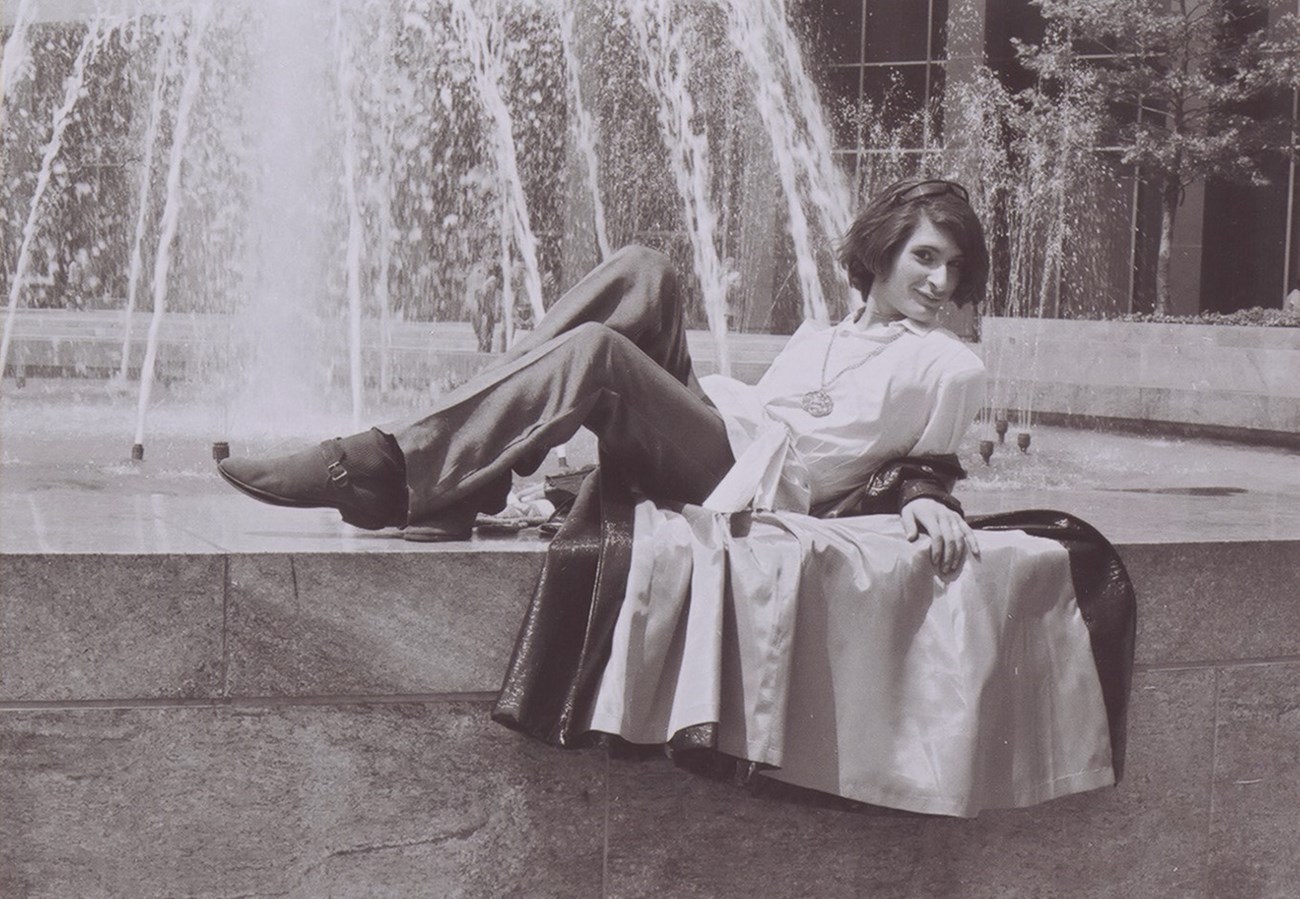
(950,536)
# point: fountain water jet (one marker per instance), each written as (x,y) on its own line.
(332,164)
(75,90)
(380,191)
(667,72)
(748,30)
(355,237)
(788,104)
(828,194)
(142,214)
(484,43)
(297,188)
(584,130)
(170,216)
(16,58)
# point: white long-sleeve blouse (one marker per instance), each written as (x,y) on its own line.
(916,395)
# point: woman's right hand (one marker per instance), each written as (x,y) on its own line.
(951,538)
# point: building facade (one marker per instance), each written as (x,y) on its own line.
(889,69)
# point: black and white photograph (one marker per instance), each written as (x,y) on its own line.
(650,448)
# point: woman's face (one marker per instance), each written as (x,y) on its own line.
(924,277)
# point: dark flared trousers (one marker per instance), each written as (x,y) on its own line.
(609,355)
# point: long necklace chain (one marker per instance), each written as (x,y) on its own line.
(818,402)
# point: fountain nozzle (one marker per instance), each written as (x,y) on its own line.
(1022,441)
(220,450)
(1000,425)
(986,450)
(137,452)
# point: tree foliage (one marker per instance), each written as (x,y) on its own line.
(1192,89)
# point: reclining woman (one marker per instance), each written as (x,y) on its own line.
(797,589)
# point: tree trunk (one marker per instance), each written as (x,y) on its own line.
(1168,209)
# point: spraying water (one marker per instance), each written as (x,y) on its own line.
(352,264)
(584,129)
(828,194)
(323,165)
(75,90)
(797,123)
(170,216)
(667,72)
(290,320)
(161,69)
(381,195)
(15,65)
(748,30)
(484,45)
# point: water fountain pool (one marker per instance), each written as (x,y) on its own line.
(67,486)
(287,208)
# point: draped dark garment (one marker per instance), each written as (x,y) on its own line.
(564,641)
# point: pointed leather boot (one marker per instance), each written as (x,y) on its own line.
(356,475)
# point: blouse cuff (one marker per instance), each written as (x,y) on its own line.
(915,488)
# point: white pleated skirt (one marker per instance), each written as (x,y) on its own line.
(831,652)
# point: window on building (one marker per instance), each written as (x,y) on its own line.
(880,67)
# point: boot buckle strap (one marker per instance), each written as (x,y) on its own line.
(332,451)
(338,474)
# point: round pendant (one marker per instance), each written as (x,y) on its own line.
(817,403)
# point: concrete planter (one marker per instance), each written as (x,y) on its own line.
(1234,379)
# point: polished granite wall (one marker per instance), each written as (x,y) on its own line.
(316,723)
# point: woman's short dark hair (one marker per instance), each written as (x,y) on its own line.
(877,235)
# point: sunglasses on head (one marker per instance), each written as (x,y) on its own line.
(934,187)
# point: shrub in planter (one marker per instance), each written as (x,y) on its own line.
(1256,315)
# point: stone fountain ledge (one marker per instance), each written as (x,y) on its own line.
(201,695)
(290,603)
(102,559)
(127,627)
(311,723)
